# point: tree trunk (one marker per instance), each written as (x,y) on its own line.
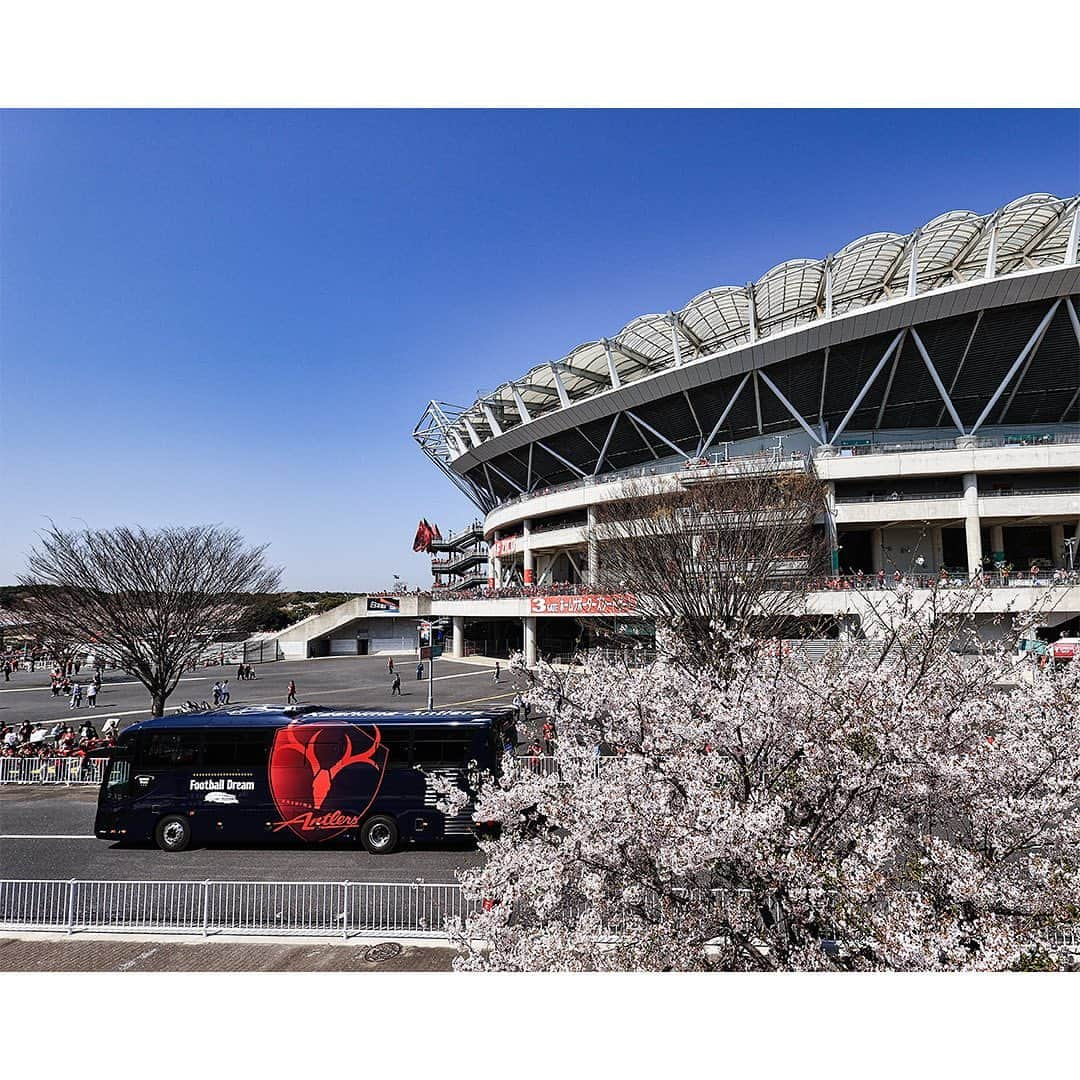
(158,703)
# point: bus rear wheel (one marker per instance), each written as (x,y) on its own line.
(379,834)
(173,833)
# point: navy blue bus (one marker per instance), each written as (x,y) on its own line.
(261,773)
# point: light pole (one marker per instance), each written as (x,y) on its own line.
(1070,550)
(430,629)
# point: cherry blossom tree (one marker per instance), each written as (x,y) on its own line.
(896,805)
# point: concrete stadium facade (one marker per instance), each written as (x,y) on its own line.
(932,380)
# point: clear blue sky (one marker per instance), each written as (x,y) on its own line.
(238,317)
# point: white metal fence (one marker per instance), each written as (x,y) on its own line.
(341,909)
(266,908)
(51,770)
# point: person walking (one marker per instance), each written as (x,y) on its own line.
(217,693)
(517,707)
(76,695)
(390,665)
(291,700)
(7,671)
(498,672)
(420,671)
(395,686)
(224,691)
(91,696)
(549,737)
(240,673)
(97,678)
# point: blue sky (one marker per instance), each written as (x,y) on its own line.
(238,317)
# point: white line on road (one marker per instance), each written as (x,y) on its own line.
(47,836)
(110,685)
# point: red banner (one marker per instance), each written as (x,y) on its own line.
(503,547)
(617,604)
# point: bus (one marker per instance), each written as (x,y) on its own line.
(265,773)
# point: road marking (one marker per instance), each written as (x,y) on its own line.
(127,965)
(471,701)
(47,836)
(418,682)
(133,682)
(105,713)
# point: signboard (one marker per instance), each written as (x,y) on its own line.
(616,604)
(503,547)
(1066,648)
(383,603)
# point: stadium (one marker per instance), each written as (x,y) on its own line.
(931,380)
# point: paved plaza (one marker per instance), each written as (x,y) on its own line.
(360,681)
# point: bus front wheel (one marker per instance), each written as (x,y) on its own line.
(173,833)
(379,834)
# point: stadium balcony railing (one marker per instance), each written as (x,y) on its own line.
(951,578)
(909,496)
(772,459)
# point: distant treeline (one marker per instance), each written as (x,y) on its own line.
(262,611)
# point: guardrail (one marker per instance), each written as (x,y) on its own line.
(267,908)
(51,770)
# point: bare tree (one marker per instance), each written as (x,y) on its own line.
(715,561)
(146,600)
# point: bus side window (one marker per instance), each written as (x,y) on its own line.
(439,751)
(235,749)
(219,750)
(397,743)
(168,748)
(119,775)
(252,748)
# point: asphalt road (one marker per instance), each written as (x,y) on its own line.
(46,832)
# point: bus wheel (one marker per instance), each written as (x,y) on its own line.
(379,834)
(173,833)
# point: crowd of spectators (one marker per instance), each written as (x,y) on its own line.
(61,740)
(1035,575)
(509,592)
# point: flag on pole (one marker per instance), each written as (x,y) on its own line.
(425,534)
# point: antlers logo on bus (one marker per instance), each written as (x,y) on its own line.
(324,778)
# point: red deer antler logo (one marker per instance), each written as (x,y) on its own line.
(302,779)
(321,776)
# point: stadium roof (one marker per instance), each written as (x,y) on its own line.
(1033,232)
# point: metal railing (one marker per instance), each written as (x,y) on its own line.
(51,770)
(919,496)
(1025,439)
(267,908)
(321,909)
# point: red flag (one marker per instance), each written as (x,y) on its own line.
(422,540)
(437,535)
